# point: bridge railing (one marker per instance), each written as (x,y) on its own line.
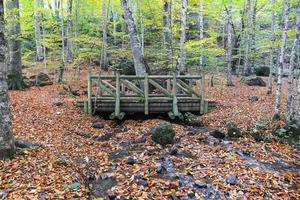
(146,89)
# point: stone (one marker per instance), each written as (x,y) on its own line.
(191,120)
(159,169)
(26,145)
(234,132)
(262,71)
(217,134)
(137,176)
(130,161)
(151,152)
(163,133)
(254,81)
(111,196)
(231,180)
(97,125)
(174,151)
(58,104)
(143,182)
(253,98)
(41,80)
(199,185)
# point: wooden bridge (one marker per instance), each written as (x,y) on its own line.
(148,94)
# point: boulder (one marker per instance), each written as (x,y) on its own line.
(262,71)
(163,133)
(234,132)
(253,81)
(97,125)
(191,120)
(41,80)
(253,98)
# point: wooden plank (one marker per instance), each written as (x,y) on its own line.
(109,85)
(89,93)
(133,87)
(202,104)
(108,90)
(146,91)
(117,108)
(190,89)
(163,90)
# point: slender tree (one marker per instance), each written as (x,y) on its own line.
(138,58)
(229,45)
(166,31)
(247,39)
(291,74)
(270,80)
(181,60)
(7,141)
(37,31)
(282,59)
(69,42)
(201,33)
(104,60)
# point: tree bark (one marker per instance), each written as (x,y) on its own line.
(138,58)
(103,60)
(37,31)
(181,60)
(69,45)
(291,74)
(229,45)
(281,60)
(14,42)
(247,39)
(270,80)
(166,32)
(7,141)
(201,34)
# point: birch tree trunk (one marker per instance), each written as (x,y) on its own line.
(270,80)
(281,60)
(166,31)
(14,42)
(181,60)
(103,59)
(43,20)
(247,39)
(253,36)
(138,58)
(115,17)
(7,141)
(291,74)
(201,33)
(229,45)
(69,45)
(37,31)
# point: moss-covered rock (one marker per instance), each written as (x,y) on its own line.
(262,71)
(289,133)
(191,120)
(234,132)
(253,81)
(163,133)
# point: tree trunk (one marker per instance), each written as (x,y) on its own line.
(270,80)
(229,45)
(7,141)
(281,60)
(181,60)
(69,42)
(247,39)
(166,32)
(14,42)
(201,34)
(138,58)
(253,37)
(291,74)
(103,60)
(115,17)
(44,39)
(37,31)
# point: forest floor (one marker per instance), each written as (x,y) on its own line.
(72,152)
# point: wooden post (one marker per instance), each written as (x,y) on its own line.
(202,92)
(175,113)
(117,108)
(89,94)
(169,84)
(146,93)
